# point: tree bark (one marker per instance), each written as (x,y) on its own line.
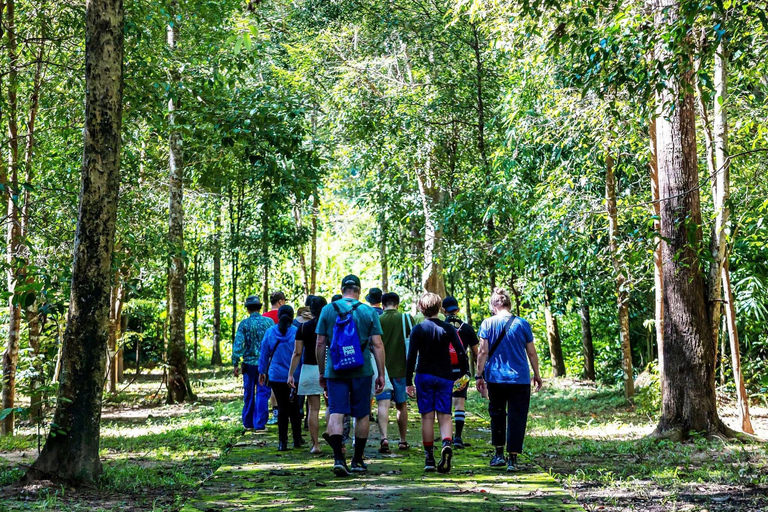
(658,275)
(179,388)
(586,342)
(302,258)
(195,301)
(742,399)
(432,278)
(688,383)
(115,313)
(216,350)
(383,260)
(313,247)
(35,325)
(71,451)
(553,338)
(622,296)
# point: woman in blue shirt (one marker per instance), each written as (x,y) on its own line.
(506,346)
(275,362)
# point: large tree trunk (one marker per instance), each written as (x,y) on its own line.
(658,277)
(688,383)
(622,296)
(586,342)
(179,388)
(14,234)
(553,337)
(432,277)
(71,451)
(383,259)
(216,351)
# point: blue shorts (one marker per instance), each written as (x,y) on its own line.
(350,396)
(433,393)
(397,394)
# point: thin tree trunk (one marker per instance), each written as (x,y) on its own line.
(35,325)
(115,309)
(216,350)
(313,247)
(688,383)
(14,235)
(658,275)
(553,337)
(383,260)
(265,252)
(235,214)
(586,342)
(622,297)
(742,399)
(302,258)
(195,300)
(71,451)
(179,388)
(467,303)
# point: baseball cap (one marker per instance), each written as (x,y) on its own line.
(450,304)
(374,296)
(350,280)
(253,300)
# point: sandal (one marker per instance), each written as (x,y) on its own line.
(384,448)
(315,451)
(403,445)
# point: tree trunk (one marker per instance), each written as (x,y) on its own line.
(115,312)
(553,337)
(622,296)
(586,342)
(71,451)
(179,388)
(432,277)
(265,252)
(302,258)
(467,303)
(195,301)
(313,247)
(658,276)
(688,378)
(216,350)
(742,399)
(235,215)
(35,325)
(383,251)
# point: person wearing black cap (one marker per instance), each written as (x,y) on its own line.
(374,299)
(349,389)
(247,348)
(471,342)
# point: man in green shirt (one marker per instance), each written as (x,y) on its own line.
(395,327)
(349,391)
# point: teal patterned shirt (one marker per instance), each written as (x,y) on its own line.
(248,339)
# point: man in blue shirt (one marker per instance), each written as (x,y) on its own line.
(247,346)
(506,346)
(349,391)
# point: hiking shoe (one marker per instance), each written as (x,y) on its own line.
(498,461)
(273,419)
(458,442)
(512,463)
(340,468)
(446,454)
(282,446)
(429,463)
(359,466)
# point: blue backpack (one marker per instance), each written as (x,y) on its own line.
(346,349)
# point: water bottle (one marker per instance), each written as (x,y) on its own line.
(461,383)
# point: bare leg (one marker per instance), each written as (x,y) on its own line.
(382,418)
(402,420)
(314,420)
(362,426)
(428,427)
(446,427)
(336,424)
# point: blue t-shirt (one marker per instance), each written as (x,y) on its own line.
(509,363)
(367,320)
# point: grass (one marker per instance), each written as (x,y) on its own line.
(590,438)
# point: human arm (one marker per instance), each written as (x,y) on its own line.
(482,357)
(238,348)
(533,357)
(298,349)
(413,352)
(377,346)
(320,349)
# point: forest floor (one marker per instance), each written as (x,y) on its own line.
(588,437)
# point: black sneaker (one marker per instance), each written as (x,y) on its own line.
(458,442)
(340,468)
(282,446)
(498,461)
(429,463)
(358,466)
(446,454)
(512,463)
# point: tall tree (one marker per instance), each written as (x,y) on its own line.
(179,388)
(71,451)
(216,352)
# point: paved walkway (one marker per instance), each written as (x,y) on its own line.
(255,477)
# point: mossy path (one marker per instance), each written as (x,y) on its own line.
(257,477)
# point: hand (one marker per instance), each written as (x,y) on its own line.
(538,382)
(291,382)
(482,387)
(236,371)
(379,384)
(411,391)
(263,379)
(323,383)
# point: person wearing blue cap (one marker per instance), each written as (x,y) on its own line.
(470,341)
(245,356)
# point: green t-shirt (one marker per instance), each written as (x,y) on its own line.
(367,322)
(394,341)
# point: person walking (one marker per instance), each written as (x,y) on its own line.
(275,362)
(245,356)
(276,300)
(374,299)
(470,342)
(349,331)
(396,328)
(309,379)
(506,347)
(431,342)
